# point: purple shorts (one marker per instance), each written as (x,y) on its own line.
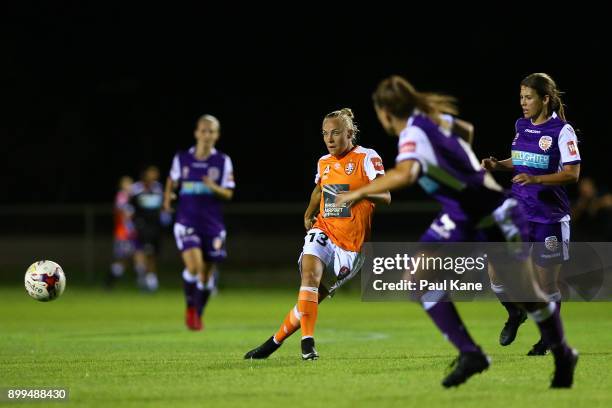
(505,224)
(148,239)
(123,248)
(550,242)
(445,229)
(149,247)
(213,247)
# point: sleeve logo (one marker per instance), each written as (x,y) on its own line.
(377,163)
(571,146)
(408,147)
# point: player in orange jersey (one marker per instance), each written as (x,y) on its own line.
(123,231)
(335,234)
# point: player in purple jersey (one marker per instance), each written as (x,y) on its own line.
(433,151)
(204,178)
(544,158)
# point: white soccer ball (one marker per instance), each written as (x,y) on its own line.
(45,281)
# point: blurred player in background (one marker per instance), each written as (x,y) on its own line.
(123,232)
(146,199)
(544,158)
(335,234)
(204,178)
(434,150)
(592,212)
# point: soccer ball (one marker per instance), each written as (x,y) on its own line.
(45,281)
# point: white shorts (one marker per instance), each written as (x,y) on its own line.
(345,264)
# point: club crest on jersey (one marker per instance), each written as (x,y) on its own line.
(214,173)
(349,168)
(545,142)
(551,243)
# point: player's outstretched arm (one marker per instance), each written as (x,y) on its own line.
(404,174)
(381,198)
(492,164)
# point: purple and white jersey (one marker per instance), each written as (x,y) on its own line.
(197,205)
(543,149)
(449,171)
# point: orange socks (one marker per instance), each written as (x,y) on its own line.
(308,307)
(303,314)
(289,326)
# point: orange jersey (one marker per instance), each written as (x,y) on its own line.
(347,227)
(123,229)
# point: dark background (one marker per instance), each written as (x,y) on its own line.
(92,92)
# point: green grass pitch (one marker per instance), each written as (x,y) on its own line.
(126,349)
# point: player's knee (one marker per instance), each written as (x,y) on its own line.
(207,270)
(311,277)
(312,270)
(550,288)
(310,281)
(192,269)
(548,283)
(200,270)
